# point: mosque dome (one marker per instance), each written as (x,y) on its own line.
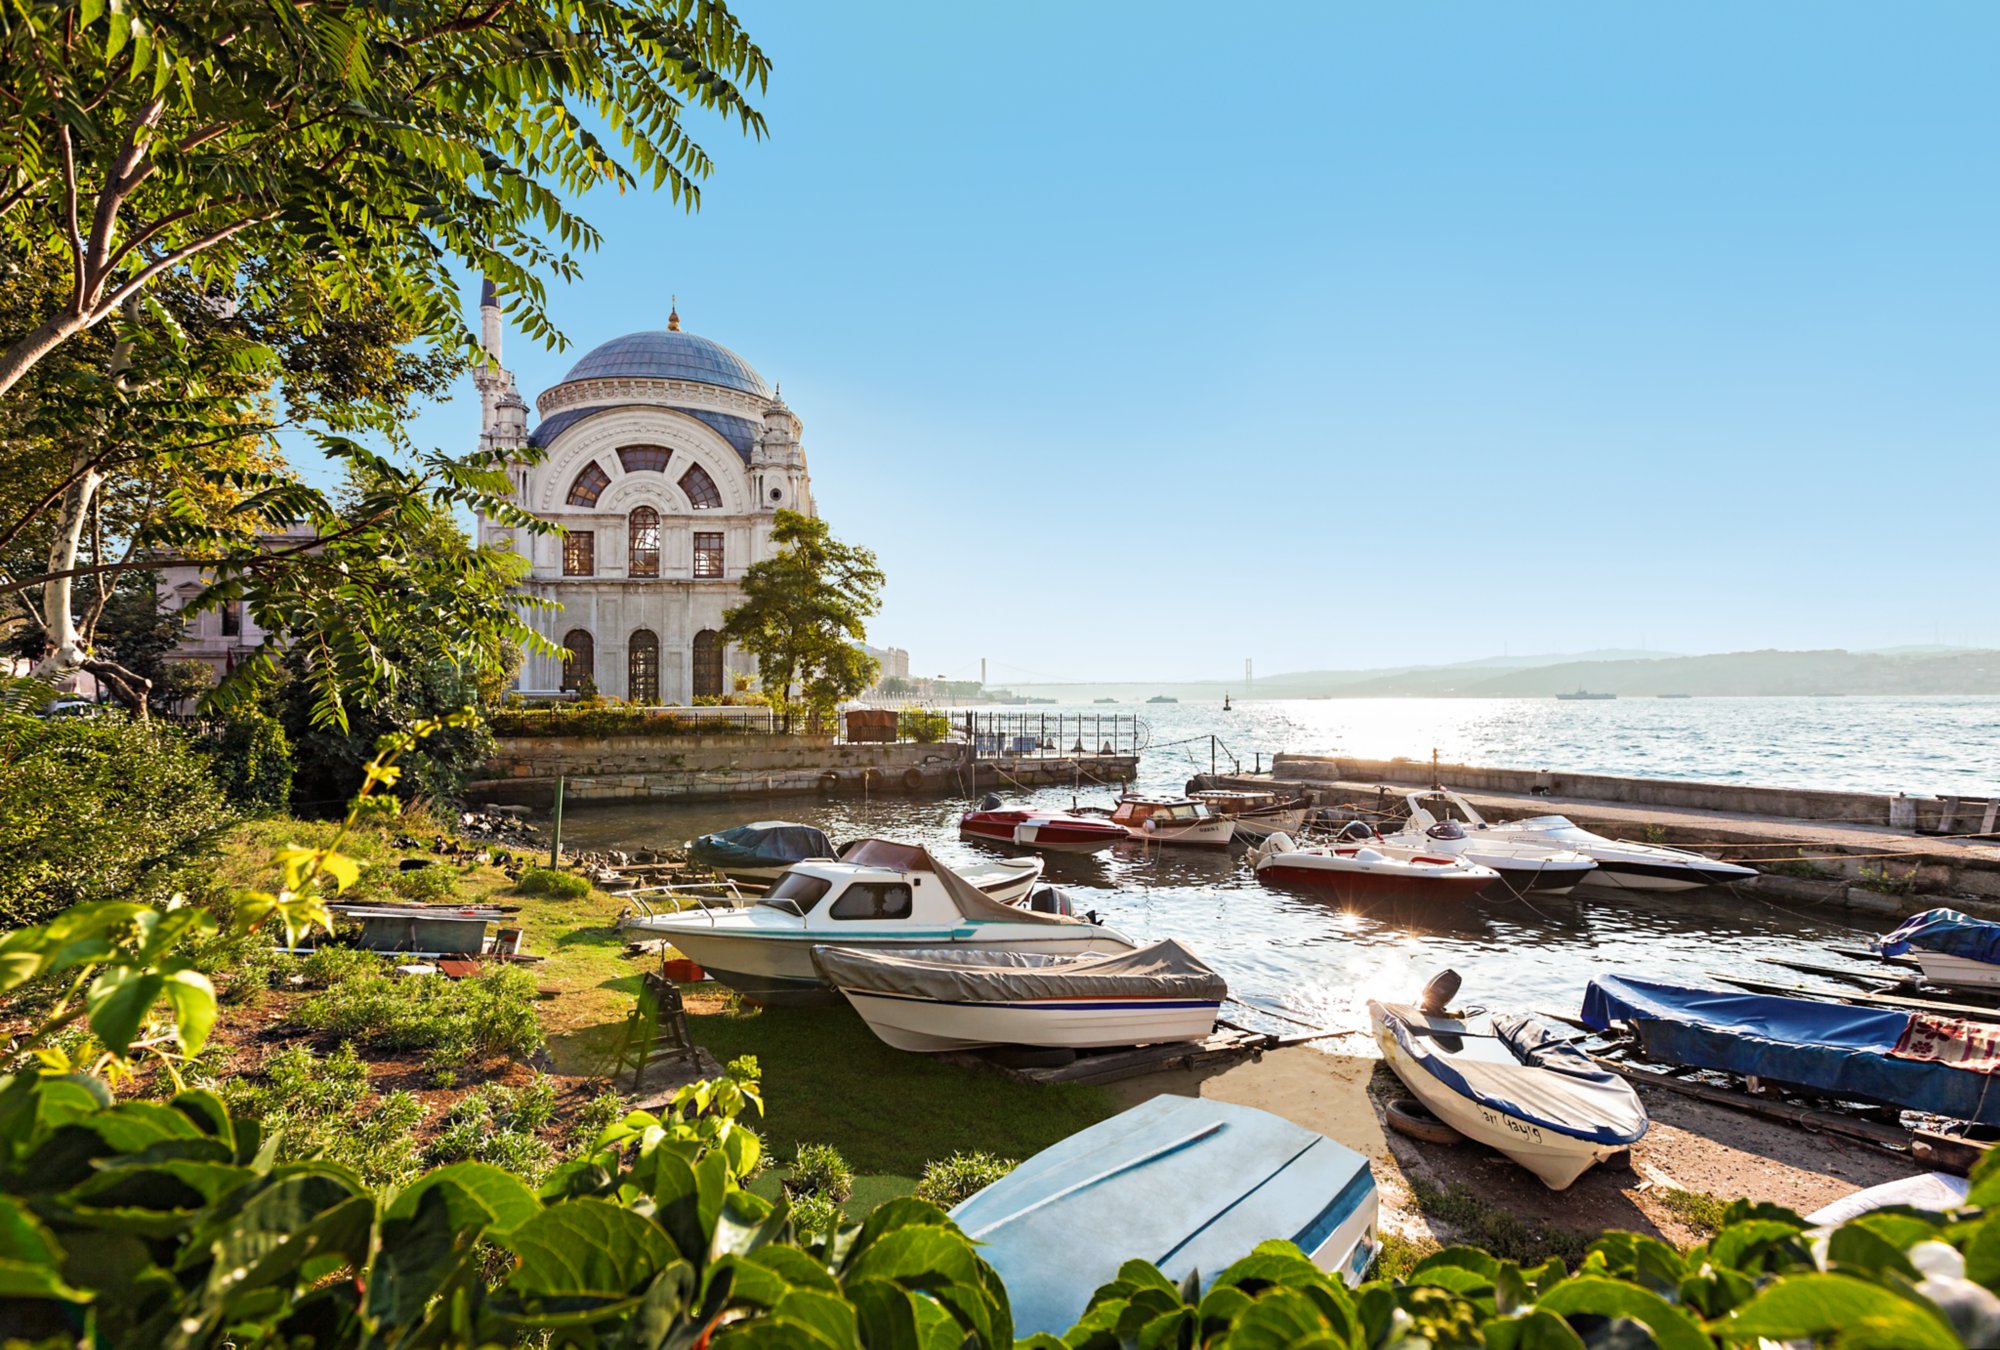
(669,354)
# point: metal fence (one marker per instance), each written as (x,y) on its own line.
(1019,735)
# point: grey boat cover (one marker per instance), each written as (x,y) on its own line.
(1522,1068)
(1165,971)
(971,902)
(762,843)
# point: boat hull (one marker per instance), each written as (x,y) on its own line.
(1960,972)
(1556,1159)
(932,1025)
(1200,834)
(1364,886)
(1517,877)
(1048,836)
(1628,874)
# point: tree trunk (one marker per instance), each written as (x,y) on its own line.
(58,592)
(20,358)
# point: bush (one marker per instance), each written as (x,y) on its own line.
(453,1020)
(558,885)
(100,808)
(313,1103)
(593,719)
(328,966)
(948,1181)
(915,724)
(425,885)
(820,1170)
(253,762)
(815,1214)
(498,1125)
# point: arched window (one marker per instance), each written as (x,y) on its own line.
(589,485)
(644,528)
(639,458)
(707,663)
(579,667)
(700,489)
(642,668)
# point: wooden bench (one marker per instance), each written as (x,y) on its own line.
(656,1029)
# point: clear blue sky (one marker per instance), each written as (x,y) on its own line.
(1141,338)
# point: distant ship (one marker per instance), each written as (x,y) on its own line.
(1673,696)
(1104,700)
(1163,698)
(1583,695)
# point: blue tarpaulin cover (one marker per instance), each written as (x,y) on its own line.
(1946,930)
(1832,1048)
(763,843)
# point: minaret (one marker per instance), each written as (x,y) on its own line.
(778,461)
(503,413)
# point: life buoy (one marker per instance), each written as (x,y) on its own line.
(913,779)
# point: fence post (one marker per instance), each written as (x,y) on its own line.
(555,844)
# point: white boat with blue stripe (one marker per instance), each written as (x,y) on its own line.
(1510,1083)
(881,895)
(962,998)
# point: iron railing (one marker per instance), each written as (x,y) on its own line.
(1027,735)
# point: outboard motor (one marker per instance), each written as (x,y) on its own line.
(1439,993)
(1049,900)
(990,802)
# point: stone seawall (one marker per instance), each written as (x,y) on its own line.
(524,769)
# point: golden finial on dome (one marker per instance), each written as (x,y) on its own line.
(674,316)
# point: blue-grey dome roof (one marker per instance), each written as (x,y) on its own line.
(662,354)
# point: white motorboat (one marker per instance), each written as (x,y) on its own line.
(1952,949)
(1620,862)
(1509,1083)
(1180,821)
(1257,815)
(1364,872)
(956,999)
(1522,864)
(880,896)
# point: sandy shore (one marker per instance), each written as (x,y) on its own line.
(1692,1146)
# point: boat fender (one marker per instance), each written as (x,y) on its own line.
(828,781)
(1439,993)
(1407,1116)
(913,778)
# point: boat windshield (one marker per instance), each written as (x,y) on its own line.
(796,893)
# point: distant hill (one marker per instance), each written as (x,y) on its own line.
(1951,670)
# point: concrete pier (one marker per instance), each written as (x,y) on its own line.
(1869,852)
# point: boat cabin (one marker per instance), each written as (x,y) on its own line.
(1134,812)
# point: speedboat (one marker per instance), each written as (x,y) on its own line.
(1172,820)
(1918,1061)
(761,850)
(1364,872)
(933,999)
(879,896)
(1620,862)
(1257,815)
(1951,948)
(1188,1184)
(1050,831)
(1522,864)
(1510,1083)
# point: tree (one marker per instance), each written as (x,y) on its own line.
(803,610)
(149,142)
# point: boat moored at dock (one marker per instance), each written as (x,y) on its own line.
(1952,949)
(1189,1184)
(1521,864)
(1049,831)
(1256,815)
(1620,862)
(761,850)
(1364,872)
(1180,821)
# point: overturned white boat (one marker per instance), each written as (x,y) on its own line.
(933,999)
(880,895)
(1510,1083)
(1620,862)
(1522,864)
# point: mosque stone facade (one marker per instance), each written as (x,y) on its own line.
(664,456)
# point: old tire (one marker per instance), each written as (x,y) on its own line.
(913,779)
(1408,1116)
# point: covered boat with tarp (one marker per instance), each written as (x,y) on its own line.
(1951,948)
(934,999)
(1912,1060)
(761,850)
(1189,1184)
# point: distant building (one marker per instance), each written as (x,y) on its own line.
(222,638)
(664,456)
(894,661)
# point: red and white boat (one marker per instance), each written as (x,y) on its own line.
(1369,871)
(1050,831)
(1172,820)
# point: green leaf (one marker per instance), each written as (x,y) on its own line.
(480,1198)
(117,1004)
(1809,1306)
(585,1249)
(193,1000)
(1598,1296)
(1536,1329)
(1857,1248)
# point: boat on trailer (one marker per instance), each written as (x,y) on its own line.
(1620,862)
(936,999)
(761,850)
(1049,831)
(1509,1082)
(1256,815)
(880,895)
(1188,1184)
(1365,872)
(1909,1059)
(1951,948)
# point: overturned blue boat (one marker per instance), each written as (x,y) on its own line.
(1912,1060)
(1187,1184)
(761,850)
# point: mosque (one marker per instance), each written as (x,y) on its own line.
(664,457)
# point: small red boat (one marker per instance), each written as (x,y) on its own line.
(1051,831)
(1369,871)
